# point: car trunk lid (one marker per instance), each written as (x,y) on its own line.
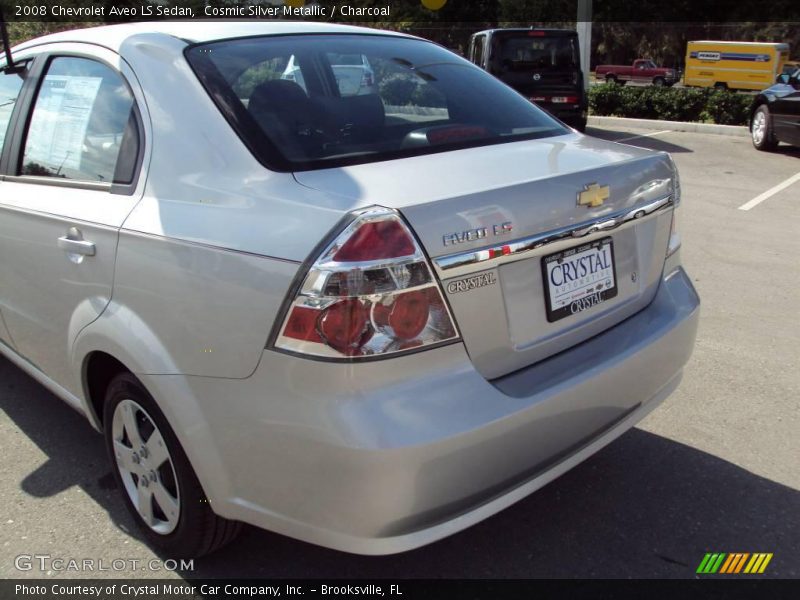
(492,218)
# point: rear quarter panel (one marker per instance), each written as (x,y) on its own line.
(184,308)
(207,256)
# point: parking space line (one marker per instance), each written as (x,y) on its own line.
(770,192)
(633,137)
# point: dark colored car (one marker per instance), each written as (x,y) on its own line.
(775,115)
(541,64)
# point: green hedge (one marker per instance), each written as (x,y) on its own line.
(670,104)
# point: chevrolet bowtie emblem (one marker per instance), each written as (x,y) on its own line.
(593,195)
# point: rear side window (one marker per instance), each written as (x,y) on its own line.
(317,101)
(82,126)
(10,86)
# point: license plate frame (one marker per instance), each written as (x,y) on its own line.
(578,295)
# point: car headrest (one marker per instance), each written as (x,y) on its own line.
(360,117)
(282,109)
(277,95)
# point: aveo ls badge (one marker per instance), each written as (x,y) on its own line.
(471,235)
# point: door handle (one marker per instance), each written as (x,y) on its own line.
(76,246)
(73,243)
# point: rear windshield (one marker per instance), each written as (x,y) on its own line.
(304,102)
(532,51)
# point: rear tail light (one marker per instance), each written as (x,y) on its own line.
(370,293)
(367,80)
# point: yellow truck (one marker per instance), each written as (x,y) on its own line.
(734,65)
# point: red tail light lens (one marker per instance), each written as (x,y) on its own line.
(301,324)
(372,241)
(406,316)
(344,326)
(370,293)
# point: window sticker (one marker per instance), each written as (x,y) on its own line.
(60,120)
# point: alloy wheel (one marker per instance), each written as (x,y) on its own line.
(146,467)
(759,127)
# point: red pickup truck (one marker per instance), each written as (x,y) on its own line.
(642,71)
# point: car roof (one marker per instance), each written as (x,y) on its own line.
(114,36)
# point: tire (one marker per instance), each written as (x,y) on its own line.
(721,87)
(580,125)
(761,133)
(659,82)
(175,516)
(611,78)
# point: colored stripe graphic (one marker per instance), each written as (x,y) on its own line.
(741,562)
(727,564)
(734,563)
(758,563)
(717,563)
(703,563)
(711,562)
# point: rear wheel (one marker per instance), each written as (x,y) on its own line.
(720,87)
(611,79)
(659,82)
(157,482)
(761,130)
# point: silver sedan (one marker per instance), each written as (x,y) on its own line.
(366,320)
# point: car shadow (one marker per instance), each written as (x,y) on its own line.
(788,150)
(76,453)
(633,139)
(645,506)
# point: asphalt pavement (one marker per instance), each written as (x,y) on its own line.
(715,469)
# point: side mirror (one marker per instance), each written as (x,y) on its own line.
(782,78)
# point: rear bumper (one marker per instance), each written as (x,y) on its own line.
(382,457)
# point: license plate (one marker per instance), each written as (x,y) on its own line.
(577,279)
